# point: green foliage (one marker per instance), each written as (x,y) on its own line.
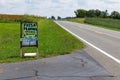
(80,13)
(104,22)
(115,15)
(53,41)
(104,14)
(19,18)
(6,20)
(59,18)
(79,20)
(56,41)
(97,12)
(108,23)
(52,17)
(91,13)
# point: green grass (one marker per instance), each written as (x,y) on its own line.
(104,22)
(107,23)
(53,41)
(79,20)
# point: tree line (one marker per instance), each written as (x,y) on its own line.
(53,18)
(82,13)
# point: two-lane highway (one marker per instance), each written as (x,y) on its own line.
(101,44)
(106,42)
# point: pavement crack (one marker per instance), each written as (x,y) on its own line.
(109,76)
(36,72)
(21,78)
(83,62)
(35,76)
(74,76)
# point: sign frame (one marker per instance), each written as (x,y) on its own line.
(34,44)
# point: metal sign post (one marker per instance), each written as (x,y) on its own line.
(28,36)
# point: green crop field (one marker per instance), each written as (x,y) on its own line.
(53,41)
(113,24)
(108,23)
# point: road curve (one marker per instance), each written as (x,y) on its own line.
(106,42)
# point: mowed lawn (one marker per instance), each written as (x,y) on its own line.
(53,41)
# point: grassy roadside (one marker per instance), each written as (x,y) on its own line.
(79,20)
(112,24)
(53,41)
(107,23)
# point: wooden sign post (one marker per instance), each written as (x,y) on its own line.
(28,37)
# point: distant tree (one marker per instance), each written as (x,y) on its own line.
(104,14)
(91,13)
(52,17)
(59,18)
(49,17)
(97,13)
(80,13)
(115,15)
(69,17)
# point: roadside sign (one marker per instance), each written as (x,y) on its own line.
(28,34)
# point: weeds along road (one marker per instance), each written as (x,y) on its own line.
(102,44)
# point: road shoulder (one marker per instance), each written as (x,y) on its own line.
(74,66)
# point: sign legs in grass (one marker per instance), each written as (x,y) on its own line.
(28,38)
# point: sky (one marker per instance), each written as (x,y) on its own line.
(63,8)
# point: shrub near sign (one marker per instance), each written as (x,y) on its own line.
(28,35)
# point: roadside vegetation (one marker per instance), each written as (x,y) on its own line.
(98,18)
(4,18)
(56,41)
(53,41)
(108,23)
(79,20)
(82,13)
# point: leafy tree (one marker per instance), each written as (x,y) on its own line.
(92,13)
(52,17)
(59,18)
(97,13)
(115,15)
(80,13)
(104,14)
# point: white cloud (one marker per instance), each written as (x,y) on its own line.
(12,6)
(111,1)
(109,5)
(6,2)
(55,7)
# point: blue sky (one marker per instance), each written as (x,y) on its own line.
(61,8)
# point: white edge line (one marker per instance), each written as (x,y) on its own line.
(105,53)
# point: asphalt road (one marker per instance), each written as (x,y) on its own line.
(78,65)
(75,66)
(103,44)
